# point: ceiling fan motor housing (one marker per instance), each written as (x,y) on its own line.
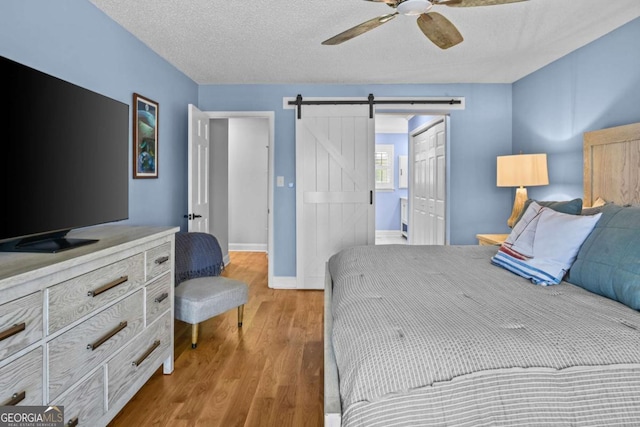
(414,7)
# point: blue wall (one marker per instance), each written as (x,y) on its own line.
(75,41)
(478,134)
(595,87)
(388,202)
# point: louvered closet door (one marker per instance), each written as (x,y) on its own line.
(335,186)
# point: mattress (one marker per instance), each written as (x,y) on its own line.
(437,336)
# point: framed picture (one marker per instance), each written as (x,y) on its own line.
(145,137)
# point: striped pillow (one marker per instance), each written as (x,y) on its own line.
(544,244)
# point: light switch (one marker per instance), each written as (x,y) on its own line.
(280,181)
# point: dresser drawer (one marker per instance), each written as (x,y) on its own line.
(73,299)
(22,377)
(137,361)
(159,297)
(85,402)
(71,355)
(159,260)
(20,324)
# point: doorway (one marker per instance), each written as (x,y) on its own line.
(241,145)
(418,179)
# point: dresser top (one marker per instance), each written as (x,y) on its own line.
(19,267)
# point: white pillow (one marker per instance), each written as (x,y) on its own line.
(550,242)
(523,234)
(559,236)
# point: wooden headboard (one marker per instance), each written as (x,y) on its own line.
(612,165)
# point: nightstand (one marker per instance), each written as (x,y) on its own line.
(491,239)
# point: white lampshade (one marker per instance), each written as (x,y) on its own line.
(522,170)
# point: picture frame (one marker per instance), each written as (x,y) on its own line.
(145,137)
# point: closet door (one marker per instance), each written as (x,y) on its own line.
(335,186)
(427,225)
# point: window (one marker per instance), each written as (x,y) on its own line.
(384,167)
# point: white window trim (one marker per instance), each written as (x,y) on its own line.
(389,149)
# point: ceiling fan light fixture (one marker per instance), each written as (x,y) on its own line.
(414,7)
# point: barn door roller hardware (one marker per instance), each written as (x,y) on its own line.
(299,102)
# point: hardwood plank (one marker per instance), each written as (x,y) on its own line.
(267,373)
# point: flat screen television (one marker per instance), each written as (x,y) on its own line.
(63,160)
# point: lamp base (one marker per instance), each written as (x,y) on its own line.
(518,205)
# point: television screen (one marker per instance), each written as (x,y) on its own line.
(63,155)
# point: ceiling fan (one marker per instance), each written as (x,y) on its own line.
(436,27)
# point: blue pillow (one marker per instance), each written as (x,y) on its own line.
(571,207)
(608,262)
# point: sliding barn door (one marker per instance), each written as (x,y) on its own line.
(335,186)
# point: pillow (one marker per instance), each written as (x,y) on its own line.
(544,248)
(594,209)
(608,263)
(520,241)
(572,207)
(597,207)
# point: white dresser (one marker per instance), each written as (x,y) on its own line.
(87,327)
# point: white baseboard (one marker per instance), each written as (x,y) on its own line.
(388,233)
(284,282)
(248,247)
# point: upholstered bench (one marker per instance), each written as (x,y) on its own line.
(199,299)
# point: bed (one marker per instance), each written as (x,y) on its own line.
(433,335)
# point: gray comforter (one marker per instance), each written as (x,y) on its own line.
(427,335)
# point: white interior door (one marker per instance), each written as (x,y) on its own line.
(437,185)
(427,225)
(418,224)
(198,170)
(335,186)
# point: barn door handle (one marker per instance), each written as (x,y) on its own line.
(370,197)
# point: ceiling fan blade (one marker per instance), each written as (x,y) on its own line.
(359,29)
(474,3)
(389,2)
(439,30)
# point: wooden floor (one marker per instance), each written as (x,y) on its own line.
(267,373)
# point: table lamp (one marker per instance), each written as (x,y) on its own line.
(521,170)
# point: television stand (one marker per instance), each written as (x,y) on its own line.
(86,329)
(45,243)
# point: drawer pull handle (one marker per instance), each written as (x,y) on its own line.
(104,339)
(16,398)
(162,260)
(146,354)
(108,286)
(161,297)
(73,422)
(12,331)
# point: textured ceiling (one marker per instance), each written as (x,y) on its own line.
(258,41)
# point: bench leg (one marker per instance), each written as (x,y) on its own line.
(194,335)
(240,315)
